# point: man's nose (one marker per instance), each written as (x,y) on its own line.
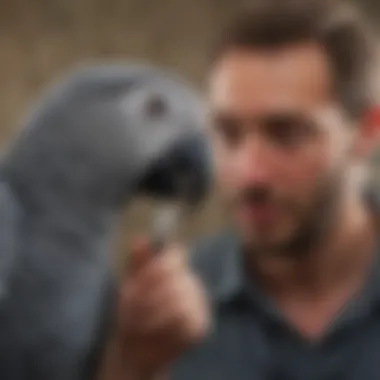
(254,164)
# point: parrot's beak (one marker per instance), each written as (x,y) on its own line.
(183,172)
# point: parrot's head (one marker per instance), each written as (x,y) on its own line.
(109,132)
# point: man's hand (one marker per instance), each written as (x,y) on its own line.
(163,311)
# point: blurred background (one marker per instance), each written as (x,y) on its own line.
(43,39)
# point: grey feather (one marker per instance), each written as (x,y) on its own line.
(10,216)
(82,154)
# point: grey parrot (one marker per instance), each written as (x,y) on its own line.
(96,139)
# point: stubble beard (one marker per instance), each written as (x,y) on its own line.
(313,228)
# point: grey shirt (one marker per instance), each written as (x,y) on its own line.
(251,341)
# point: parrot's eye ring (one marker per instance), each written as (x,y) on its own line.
(156,107)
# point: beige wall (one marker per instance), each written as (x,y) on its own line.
(40,39)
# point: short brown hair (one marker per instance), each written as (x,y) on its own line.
(336,25)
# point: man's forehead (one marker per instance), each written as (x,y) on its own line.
(291,77)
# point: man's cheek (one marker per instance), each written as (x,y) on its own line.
(304,171)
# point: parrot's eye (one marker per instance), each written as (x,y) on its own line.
(156,107)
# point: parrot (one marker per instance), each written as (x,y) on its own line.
(97,138)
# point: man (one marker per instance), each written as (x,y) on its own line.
(292,291)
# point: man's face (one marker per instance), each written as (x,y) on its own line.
(282,144)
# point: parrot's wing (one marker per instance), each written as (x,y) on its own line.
(9,217)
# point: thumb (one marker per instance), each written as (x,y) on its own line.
(140,254)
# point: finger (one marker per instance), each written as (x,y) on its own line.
(146,287)
(165,299)
(160,315)
(166,268)
(174,253)
(140,255)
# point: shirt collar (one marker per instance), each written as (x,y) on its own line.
(373,284)
(232,279)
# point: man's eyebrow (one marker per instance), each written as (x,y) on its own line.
(280,116)
(260,119)
(216,117)
(288,120)
(221,114)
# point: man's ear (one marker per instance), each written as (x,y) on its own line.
(368,137)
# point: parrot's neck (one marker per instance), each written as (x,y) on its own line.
(69,206)
(65,264)
(72,212)
(70,233)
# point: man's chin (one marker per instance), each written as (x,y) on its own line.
(268,240)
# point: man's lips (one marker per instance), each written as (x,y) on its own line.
(264,214)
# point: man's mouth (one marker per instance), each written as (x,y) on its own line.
(262,215)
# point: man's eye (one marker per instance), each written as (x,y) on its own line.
(288,131)
(228,130)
